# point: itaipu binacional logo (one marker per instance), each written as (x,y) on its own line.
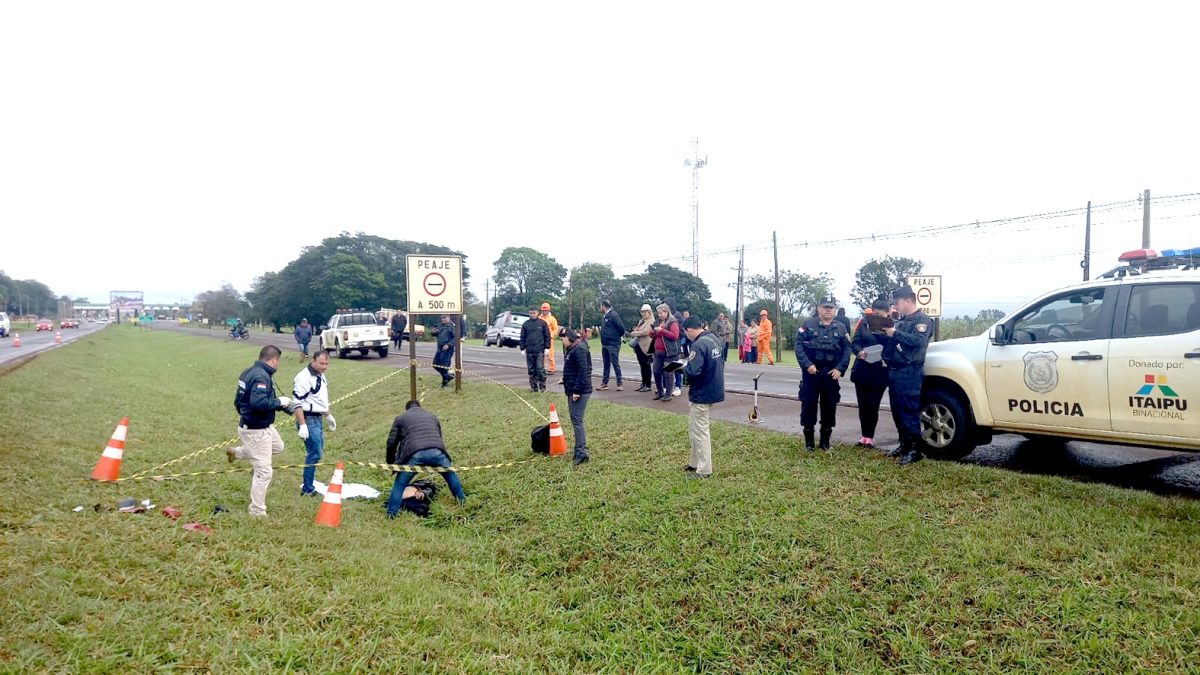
(1041,371)
(1168,405)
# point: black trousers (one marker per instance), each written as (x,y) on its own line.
(535,362)
(869,396)
(644,361)
(819,391)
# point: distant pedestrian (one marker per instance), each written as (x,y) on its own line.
(536,343)
(666,348)
(303,335)
(399,323)
(643,344)
(765,328)
(905,356)
(683,343)
(870,373)
(752,339)
(416,440)
(706,372)
(823,352)
(552,324)
(443,357)
(256,406)
(722,329)
(577,382)
(844,320)
(310,390)
(612,333)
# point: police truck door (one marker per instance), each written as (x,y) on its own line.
(1154,383)
(1054,371)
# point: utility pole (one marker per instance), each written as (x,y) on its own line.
(1146,219)
(741,268)
(778,314)
(487,302)
(696,163)
(1086,264)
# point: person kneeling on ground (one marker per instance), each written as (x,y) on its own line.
(416,440)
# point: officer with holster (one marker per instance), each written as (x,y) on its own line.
(905,358)
(823,352)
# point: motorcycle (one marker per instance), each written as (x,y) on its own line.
(239,333)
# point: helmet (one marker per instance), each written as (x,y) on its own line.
(545,307)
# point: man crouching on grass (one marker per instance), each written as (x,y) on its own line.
(706,371)
(416,440)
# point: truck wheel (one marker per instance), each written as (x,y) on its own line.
(342,353)
(364,352)
(947,432)
(382,352)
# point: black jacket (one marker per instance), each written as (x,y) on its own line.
(868,374)
(612,330)
(417,429)
(445,335)
(577,373)
(908,343)
(706,370)
(255,400)
(826,347)
(399,323)
(535,336)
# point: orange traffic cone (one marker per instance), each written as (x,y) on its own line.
(558,442)
(16,339)
(330,513)
(109,466)
(58,338)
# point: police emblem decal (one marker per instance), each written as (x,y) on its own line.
(1041,371)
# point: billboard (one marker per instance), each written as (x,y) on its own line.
(125,300)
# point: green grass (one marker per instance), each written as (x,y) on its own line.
(784,561)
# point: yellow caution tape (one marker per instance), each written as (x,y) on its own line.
(413,468)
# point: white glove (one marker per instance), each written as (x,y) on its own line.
(303,431)
(284,402)
(332,422)
(547,353)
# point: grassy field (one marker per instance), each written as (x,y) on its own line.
(784,561)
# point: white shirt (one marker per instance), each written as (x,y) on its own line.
(311,391)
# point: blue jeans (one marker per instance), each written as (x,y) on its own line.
(314,449)
(442,361)
(427,457)
(578,408)
(611,355)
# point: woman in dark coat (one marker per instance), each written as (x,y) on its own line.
(870,379)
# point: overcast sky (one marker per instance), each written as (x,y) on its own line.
(169,147)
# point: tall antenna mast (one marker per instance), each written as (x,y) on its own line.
(697,163)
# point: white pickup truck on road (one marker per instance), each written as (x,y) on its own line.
(348,331)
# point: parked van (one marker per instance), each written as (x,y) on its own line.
(505,331)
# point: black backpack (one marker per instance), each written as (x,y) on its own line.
(539,440)
(420,507)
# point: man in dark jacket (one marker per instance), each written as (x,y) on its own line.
(612,332)
(706,372)
(304,335)
(416,440)
(823,352)
(577,381)
(905,357)
(535,342)
(399,323)
(256,405)
(444,354)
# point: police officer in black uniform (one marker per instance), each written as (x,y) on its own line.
(904,354)
(823,352)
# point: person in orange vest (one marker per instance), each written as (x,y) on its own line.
(552,324)
(764,338)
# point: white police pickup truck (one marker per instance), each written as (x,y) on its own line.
(1115,360)
(355,330)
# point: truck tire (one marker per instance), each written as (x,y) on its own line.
(383,351)
(947,431)
(342,353)
(364,352)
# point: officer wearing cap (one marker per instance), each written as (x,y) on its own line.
(823,352)
(904,354)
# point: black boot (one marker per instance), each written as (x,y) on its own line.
(898,450)
(809,439)
(913,455)
(826,434)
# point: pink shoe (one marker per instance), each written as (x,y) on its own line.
(865,442)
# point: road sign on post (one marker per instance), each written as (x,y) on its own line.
(929,293)
(434,287)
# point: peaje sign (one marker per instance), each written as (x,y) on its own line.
(929,293)
(434,284)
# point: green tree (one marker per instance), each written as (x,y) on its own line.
(223,303)
(878,278)
(525,275)
(589,283)
(799,293)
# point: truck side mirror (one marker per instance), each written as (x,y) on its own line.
(321,329)
(999,335)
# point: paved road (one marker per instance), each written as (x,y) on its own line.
(1161,471)
(33,342)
